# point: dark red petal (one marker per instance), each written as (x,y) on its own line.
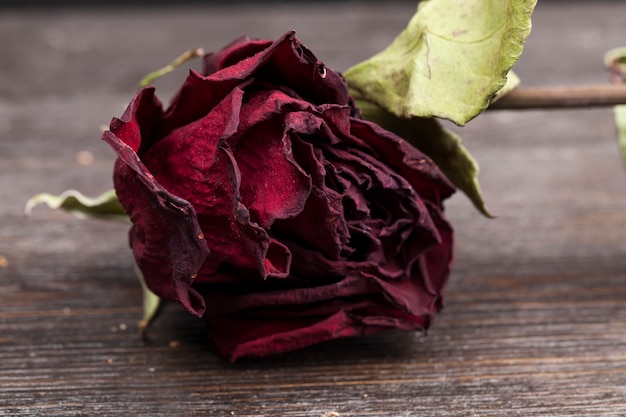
(285,63)
(313,264)
(277,260)
(269,322)
(199,94)
(196,98)
(273,184)
(240,49)
(140,119)
(236,338)
(395,208)
(294,66)
(437,262)
(261,334)
(319,225)
(371,309)
(418,169)
(166,238)
(196,163)
(353,285)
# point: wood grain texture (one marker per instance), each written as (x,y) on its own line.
(535,317)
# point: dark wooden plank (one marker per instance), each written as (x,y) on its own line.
(535,317)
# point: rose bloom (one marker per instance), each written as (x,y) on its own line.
(262,201)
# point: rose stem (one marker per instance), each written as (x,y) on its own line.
(180,60)
(561,97)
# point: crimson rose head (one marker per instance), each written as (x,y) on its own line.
(262,201)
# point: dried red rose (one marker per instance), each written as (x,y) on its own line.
(262,201)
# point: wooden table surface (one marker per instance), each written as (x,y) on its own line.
(535,317)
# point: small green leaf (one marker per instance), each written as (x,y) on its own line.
(620,123)
(105,205)
(443,146)
(450,60)
(151,304)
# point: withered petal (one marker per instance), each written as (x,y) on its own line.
(166,238)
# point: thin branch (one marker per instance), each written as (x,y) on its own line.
(186,56)
(562,97)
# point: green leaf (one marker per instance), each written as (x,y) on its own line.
(106,205)
(450,60)
(441,145)
(620,123)
(151,303)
